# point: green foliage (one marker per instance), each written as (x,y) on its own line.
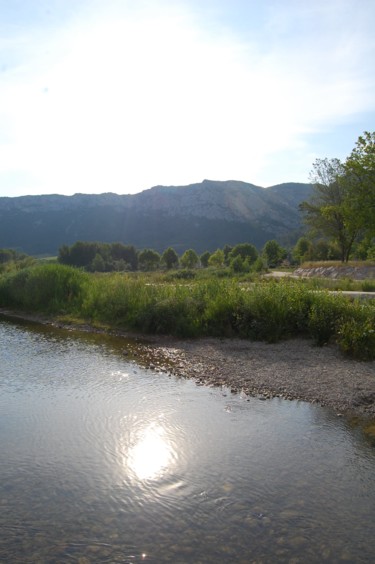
(97,263)
(259,265)
(356,336)
(227,250)
(302,250)
(162,303)
(368,286)
(183,274)
(273,253)
(237,264)
(99,257)
(245,251)
(217,259)
(189,259)
(170,258)
(222,306)
(360,175)
(327,211)
(204,258)
(275,311)
(148,259)
(326,312)
(11,260)
(50,288)
(342,207)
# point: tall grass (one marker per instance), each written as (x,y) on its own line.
(49,288)
(269,311)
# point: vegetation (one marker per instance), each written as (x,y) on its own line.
(170,258)
(99,257)
(189,259)
(342,207)
(11,260)
(273,253)
(221,293)
(268,310)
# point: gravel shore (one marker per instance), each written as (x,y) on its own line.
(294,369)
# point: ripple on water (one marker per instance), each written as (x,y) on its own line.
(105,461)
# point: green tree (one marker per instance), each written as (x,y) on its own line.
(227,249)
(327,211)
(170,258)
(204,258)
(124,253)
(148,259)
(302,250)
(273,253)
(189,259)
(98,264)
(217,258)
(80,254)
(360,177)
(237,264)
(245,251)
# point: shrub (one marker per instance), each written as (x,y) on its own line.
(53,288)
(357,338)
(327,310)
(274,311)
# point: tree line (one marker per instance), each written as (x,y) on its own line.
(109,257)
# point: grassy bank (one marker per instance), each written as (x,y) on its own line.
(268,311)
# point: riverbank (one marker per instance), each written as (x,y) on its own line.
(294,369)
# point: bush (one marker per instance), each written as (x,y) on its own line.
(52,288)
(183,274)
(274,311)
(356,338)
(325,315)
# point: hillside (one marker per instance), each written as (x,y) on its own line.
(203,216)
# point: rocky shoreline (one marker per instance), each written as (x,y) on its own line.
(294,369)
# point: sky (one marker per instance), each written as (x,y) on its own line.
(121,95)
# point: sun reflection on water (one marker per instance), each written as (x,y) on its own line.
(152,455)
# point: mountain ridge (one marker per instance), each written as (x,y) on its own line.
(203,216)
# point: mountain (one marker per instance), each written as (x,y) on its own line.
(201,216)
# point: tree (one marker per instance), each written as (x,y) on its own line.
(217,258)
(273,253)
(170,258)
(237,264)
(189,259)
(227,249)
(204,258)
(327,211)
(302,250)
(80,254)
(148,259)
(245,251)
(360,177)
(98,264)
(124,253)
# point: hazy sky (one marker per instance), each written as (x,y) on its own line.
(121,95)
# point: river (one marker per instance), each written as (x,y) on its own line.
(105,461)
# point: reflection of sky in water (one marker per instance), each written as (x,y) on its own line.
(152,454)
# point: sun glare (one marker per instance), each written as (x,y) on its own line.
(152,455)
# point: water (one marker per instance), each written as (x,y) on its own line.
(104,461)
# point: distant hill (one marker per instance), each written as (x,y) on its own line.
(202,216)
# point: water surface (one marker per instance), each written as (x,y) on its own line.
(105,461)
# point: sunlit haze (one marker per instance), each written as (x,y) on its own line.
(118,96)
